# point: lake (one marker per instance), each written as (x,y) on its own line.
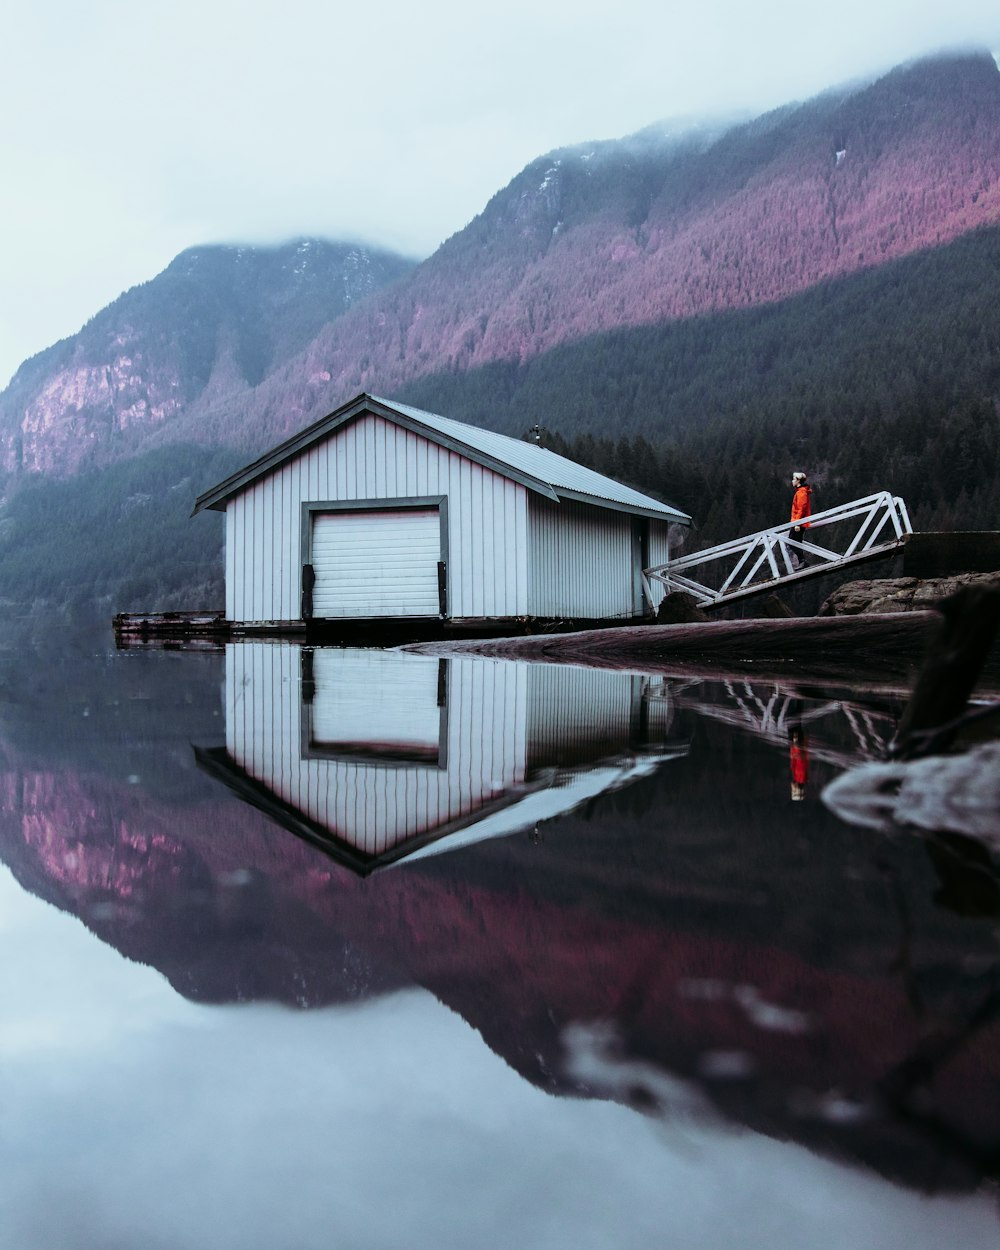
(317,947)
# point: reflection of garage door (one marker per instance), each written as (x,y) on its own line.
(376,563)
(376,704)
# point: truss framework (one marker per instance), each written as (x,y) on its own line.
(745,566)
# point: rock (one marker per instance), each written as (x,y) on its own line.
(957,793)
(679,608)
(888,594)
(899,594)
(774,606)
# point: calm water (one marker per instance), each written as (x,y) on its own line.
(354,949)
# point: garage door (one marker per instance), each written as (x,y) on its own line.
(371,564)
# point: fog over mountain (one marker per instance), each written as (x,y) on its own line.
(216,321)
(142,130)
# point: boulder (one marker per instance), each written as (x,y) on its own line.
(899,594)
(679,608)
(775,607)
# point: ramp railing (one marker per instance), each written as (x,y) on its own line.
(852,532)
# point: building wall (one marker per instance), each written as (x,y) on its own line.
(659,553)
(593,716)
(582,561)
(375,459)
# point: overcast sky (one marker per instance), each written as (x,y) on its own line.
(133,131)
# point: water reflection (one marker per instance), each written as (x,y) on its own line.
(375,754)
(663,928)
(844,729)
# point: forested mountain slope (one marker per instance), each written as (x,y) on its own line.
(646,232)
(882,380)
(207,329)
(886,379)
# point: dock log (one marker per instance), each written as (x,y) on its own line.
(882,651)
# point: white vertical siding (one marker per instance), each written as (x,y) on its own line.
(376,459)
(581,561)
(376,807)
(589,717)
(659,553)
(426,769)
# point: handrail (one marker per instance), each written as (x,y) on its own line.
(771,557)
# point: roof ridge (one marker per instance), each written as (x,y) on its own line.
(522,461)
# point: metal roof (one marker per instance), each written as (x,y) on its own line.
(535,467)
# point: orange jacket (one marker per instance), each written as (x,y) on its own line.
(801,505)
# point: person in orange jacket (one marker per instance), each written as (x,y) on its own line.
(801,510)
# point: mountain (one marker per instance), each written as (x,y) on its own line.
(213,323)
(885,379)
(814,287)
(651,231)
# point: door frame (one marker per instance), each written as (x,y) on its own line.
(398,504)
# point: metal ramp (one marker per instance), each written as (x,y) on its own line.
(852,533)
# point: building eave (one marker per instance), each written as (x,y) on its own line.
(672,517)
(217,498)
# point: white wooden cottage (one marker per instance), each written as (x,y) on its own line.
(385,511)
(374,755)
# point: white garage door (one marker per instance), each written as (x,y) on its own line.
(376,563)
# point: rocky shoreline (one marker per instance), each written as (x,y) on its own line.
(878,596)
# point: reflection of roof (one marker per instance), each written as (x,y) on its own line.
(535,467)
(562,794)
(553,792)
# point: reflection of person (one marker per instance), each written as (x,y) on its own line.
(798,759)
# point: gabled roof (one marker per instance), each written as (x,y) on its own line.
(535,467)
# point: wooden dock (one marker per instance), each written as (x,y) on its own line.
(144,628)
(197,630)
(194,629)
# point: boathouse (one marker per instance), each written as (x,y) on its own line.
(382,511)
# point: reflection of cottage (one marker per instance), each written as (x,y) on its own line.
(385,511)
(374,754)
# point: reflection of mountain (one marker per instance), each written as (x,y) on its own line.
(198,891)
(375,754)
(796,971)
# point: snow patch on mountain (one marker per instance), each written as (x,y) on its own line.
(550,174)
